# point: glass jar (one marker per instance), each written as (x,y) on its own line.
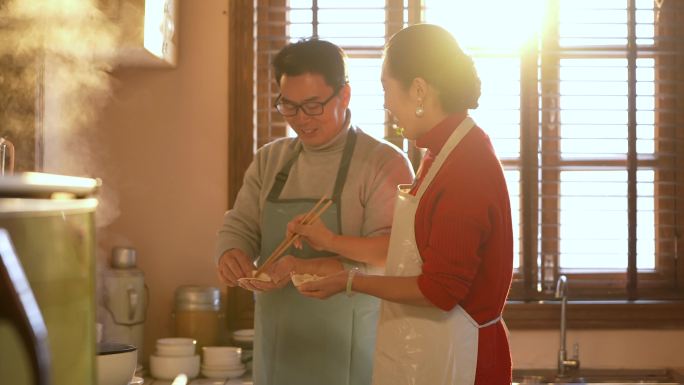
(198,315)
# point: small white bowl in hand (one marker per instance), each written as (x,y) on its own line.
(168,367)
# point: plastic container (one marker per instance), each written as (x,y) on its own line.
(198,315)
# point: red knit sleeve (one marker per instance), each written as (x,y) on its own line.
(451,225)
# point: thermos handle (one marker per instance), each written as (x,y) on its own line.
(132,302)
(20,307)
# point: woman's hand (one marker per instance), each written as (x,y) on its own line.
(325,287)
(315,234)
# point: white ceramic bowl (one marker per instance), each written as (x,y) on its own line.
(168,367)
(116,363)
(221,355)
(233,366)
(174,347)
(222,374)
(176,341)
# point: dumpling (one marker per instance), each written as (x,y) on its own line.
(262,277)
(299,279)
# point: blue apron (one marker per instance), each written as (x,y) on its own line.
(306,341)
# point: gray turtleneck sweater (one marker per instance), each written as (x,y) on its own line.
(368,197)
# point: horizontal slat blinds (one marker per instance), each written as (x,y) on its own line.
(607,184)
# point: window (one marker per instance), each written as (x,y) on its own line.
(359,27)
(583,100)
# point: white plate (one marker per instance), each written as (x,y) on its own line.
(238,366)
(218,374)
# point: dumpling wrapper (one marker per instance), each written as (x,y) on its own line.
(262,277)
(298,279)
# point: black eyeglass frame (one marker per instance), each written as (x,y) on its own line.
(305,106)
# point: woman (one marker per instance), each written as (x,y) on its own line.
(449,261)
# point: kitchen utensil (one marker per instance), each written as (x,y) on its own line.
(310,217)
(180,379)
(116,363)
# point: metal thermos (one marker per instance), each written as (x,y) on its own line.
(125,298)
(197,314)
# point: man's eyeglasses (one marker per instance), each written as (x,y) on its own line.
(310,108)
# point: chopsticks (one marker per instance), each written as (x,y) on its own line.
(309,218)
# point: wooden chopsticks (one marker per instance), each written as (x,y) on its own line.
(310,217)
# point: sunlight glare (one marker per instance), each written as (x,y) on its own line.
(485,25)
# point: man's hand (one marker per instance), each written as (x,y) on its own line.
(280,273)
(233,265)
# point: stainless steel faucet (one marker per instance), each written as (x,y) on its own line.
(563,362)
(6,157)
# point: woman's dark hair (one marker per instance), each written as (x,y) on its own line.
(431,52)
(312,56)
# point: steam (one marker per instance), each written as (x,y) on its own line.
(55,60)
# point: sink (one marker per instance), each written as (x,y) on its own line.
(599,376)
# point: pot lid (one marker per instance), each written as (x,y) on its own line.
(42,185)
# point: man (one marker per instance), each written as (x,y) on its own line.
(299,340)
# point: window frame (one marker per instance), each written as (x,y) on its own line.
(663,284)
(660,308)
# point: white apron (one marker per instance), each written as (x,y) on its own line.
(419,344)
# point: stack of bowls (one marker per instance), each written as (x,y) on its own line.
(243,338)
(222,362)
(173,357)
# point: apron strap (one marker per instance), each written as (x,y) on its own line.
(454,139)
(490,323)
(282,175)
(474,323)
(342,171)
